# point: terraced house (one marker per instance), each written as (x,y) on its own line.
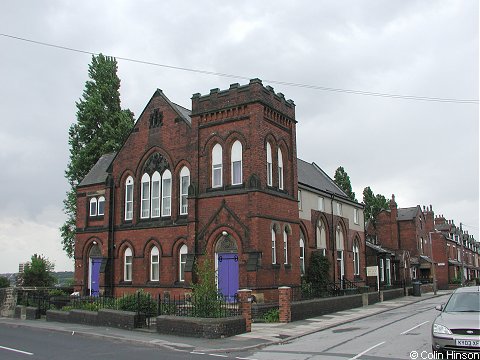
(215,182)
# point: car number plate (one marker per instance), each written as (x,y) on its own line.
(472,343)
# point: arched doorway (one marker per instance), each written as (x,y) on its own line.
(226,264)
(94,263)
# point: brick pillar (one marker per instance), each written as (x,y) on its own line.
(284,296)
(245,302)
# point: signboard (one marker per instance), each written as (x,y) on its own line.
(372,270)
(441,264)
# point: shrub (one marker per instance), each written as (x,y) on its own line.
(206,300)
(141,302)
(272,316)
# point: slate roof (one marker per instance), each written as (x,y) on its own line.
(314,177)
(407,213)
(98,173)
(378,248)
(183,112)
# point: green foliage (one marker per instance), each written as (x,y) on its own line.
(57,292)
(272,316)
(139,302)
(4,282)
(38,272)
(374,204)
(206,300)
(101,128)
(318,270)
(168,309)
(343,182)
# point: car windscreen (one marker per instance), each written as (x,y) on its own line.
(464,302)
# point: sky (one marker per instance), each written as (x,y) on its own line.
(424,152)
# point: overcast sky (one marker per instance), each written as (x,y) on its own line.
(424,152)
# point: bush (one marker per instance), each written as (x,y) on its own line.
(141,302)
(272,316)
(206,300)
(4,282)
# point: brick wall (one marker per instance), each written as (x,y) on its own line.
(199,327)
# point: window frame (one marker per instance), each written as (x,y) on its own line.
(182,261)
(101,199)
(236,157)
(145,197)
(217,165)
(355,216)
(128,265)
(154,252)
(93,206)
(356,258)
(184,173)
(274,246)
(302,255)
(285,247)
(166,198)
(280,169)
(155,197)
(269,165)
(129,183)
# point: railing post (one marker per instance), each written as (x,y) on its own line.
(284,301)
(245,302)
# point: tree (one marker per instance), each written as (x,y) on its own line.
(343,182)
(4,282)
(373,205)
(38,272)
(101,128)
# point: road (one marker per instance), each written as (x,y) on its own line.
(390,335)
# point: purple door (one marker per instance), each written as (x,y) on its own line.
(95,276)
(228,275)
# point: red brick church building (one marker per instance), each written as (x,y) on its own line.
(218,181)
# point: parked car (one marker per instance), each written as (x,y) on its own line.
(457,327)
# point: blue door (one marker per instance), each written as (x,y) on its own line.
(228,275)
(95,276)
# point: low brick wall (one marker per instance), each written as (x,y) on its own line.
(316,307)
(200,327)
(104,317)
(373,298)
(392,294)
(17,314)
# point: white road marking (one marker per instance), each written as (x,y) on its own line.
(406,331)
(16,350)
(364,352)
(197,353)
(218,355)
(242,358)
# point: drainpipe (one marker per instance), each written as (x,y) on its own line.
(111,233)
(333,240)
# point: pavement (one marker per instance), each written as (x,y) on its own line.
(262,334)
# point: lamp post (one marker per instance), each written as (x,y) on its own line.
(433,264)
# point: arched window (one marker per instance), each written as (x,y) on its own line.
(302,254)
(321,236)
(356,258)
(285,246)
(129,198)
(127,265)
(145,190)
(166,193)
(217,166)
(184,184)
(93,207)
(182,260)
(280,169)
(339,238)
(236,163)
(269,164)
(274,247)
(101,206)
(156,194)
(154,264)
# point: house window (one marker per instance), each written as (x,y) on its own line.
(382,278)
(236,163)
(145,211)
(184,184)
(302,255)
(339,209)
(167,193)
(93,207)
(387,271)
(285,246)
(355,216)
(299,199)
(321,236)
(217,166)
(127,265)
(129,198)
(101,206)
(274,252)
(154,264)
(269,164)
(182,261)
(356,258)
(320,203)
(280,169)
(421,245)
(156,194)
